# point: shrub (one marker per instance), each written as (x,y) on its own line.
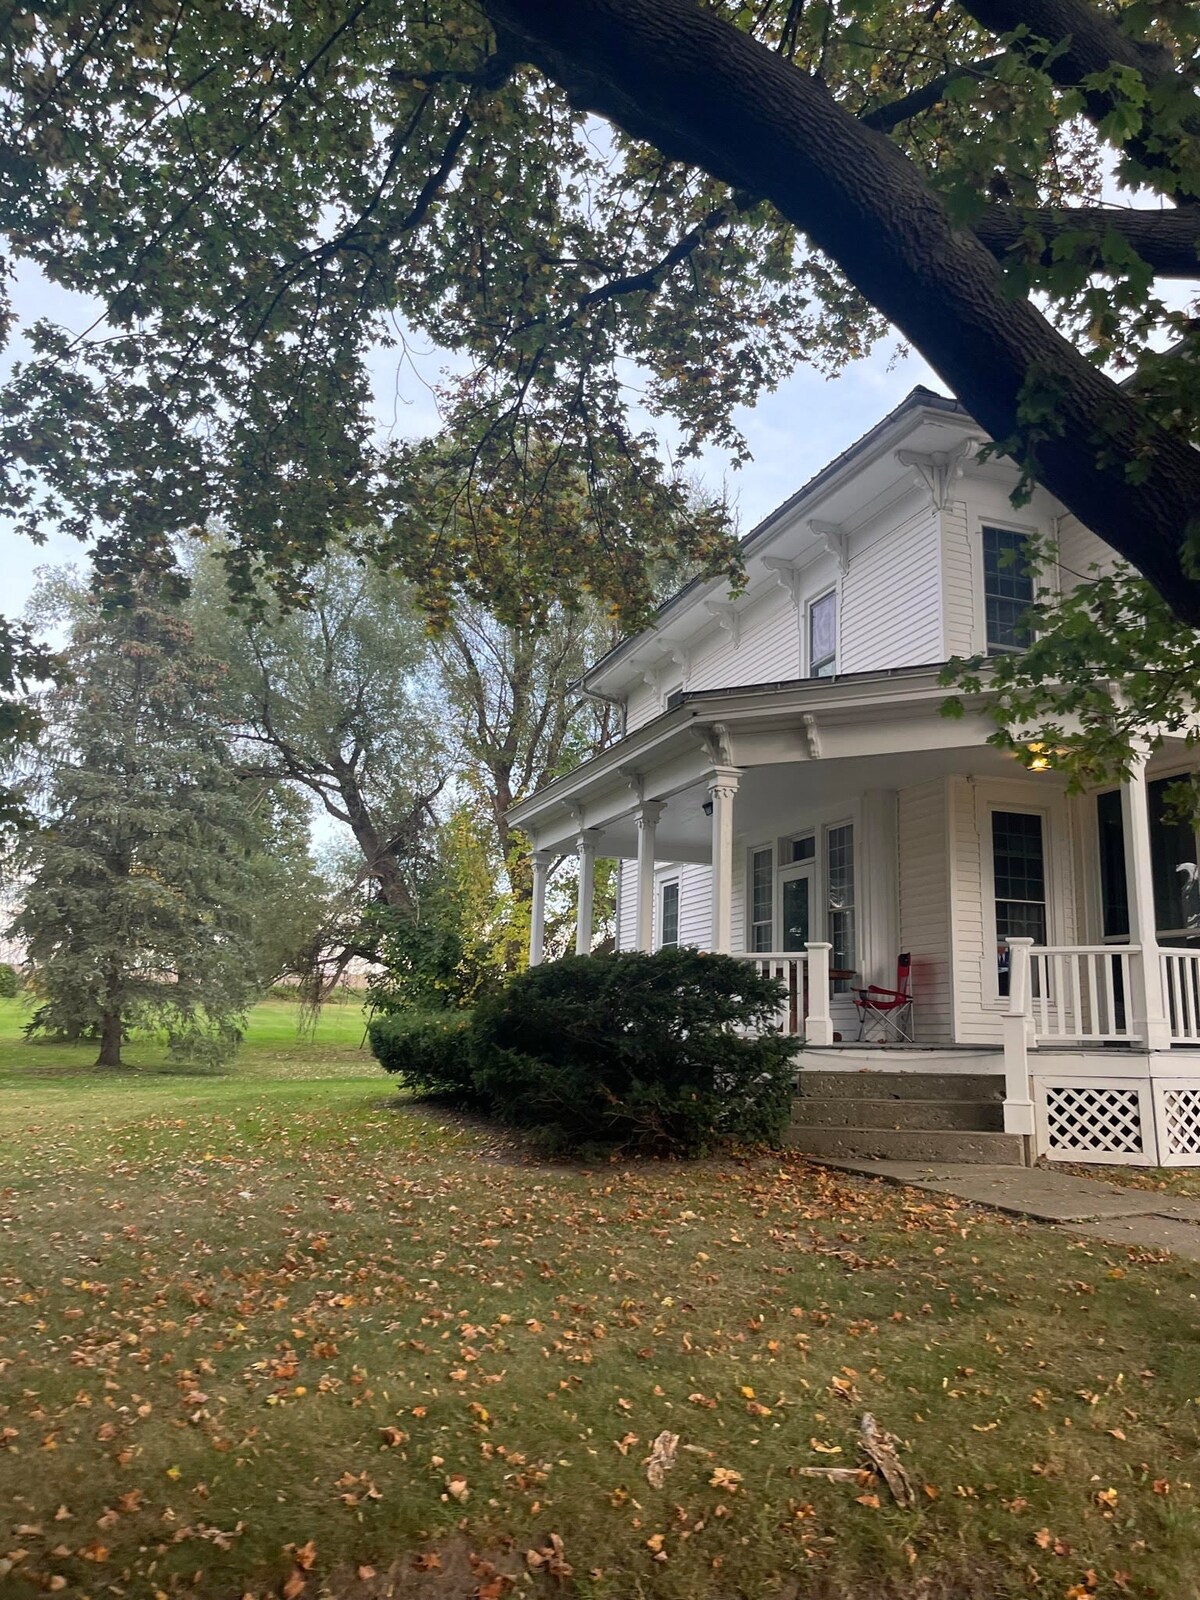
(10,982)
(660,1052)
(428,1052)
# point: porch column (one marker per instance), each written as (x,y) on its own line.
(1149,1017)
(542,861)
(648,814)
(585,845)
(722,787)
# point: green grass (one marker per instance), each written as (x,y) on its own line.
(278,1308)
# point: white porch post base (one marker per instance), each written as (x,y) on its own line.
(647,825)
(542,861)
(1148,1020)
(722,787)
(818,1022)
(585,844)
(1018,1102)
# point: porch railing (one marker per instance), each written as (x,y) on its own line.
(805,976)
(1181,994)
(1080,993)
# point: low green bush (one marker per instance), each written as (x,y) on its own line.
(427,1051)
(666,1052)
(10,982)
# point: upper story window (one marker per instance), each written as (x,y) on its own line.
(1007,589)
(669,915)
(822,636)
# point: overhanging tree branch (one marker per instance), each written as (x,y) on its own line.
(886,117)
(700,90)
(1168,241)
(1088,42)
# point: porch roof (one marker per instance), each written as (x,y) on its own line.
(836,736)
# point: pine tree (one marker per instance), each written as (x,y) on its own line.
(136,887)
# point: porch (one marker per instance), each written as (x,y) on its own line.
(817,829)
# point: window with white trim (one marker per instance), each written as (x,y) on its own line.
(760,900)
(668,914)
(1007,589)
(1019,878)
(822,636)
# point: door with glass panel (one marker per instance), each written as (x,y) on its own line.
(797,898)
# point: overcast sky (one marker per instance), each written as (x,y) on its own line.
(792,433)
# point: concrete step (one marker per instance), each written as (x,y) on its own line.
(973,1086)
(972,1116)
(909,1144)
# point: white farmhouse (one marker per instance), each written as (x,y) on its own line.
(788,789)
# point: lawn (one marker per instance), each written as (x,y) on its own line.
(274,1332)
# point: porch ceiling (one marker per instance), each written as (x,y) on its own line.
(767,792)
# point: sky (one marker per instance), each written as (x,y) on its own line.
(792,433)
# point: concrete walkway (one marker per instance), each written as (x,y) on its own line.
(1089,1207)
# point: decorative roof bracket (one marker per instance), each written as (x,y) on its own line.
(835,539)
(786,573)
(726,618)
(938,470)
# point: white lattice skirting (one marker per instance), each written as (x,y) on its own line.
(1177,1118)
(1137,1122)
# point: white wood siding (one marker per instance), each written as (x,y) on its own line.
(958,580)
(1079,549)
(768,647)
(642,705)
(978,1005)
(891,610)
(626,905)
(922,827)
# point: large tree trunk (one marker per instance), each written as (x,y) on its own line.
(702,91)
(110,1040)
(378,850)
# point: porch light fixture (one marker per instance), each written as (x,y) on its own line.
(707,808)
(1038,760)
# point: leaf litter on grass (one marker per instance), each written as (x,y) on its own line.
(333,1331)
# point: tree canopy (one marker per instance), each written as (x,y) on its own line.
(615,210)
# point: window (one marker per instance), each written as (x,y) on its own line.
(1007,589)
(822,636)
(1019,873)
(802,849)
(839,855)
(1172,860)
(1114,889)
(762,899)
(668,921)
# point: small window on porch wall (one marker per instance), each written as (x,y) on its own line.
(1019,872)
(668,915)
(822,636)
(761,900)
(1007,589)
(839,852)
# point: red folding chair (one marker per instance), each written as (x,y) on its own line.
(889,1011)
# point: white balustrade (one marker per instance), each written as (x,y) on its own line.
(1082,993)
(1181,993)
(788,967)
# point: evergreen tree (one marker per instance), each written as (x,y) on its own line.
(135,888)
